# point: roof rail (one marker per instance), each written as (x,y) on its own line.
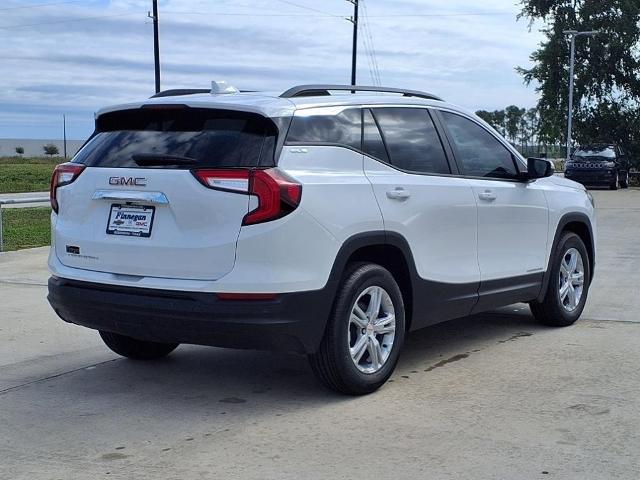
(177,92)
(324,90)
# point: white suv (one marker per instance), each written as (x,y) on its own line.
(328,220)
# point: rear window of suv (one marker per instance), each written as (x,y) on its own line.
(212,138)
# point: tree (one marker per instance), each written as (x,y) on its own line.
(496,119)
(50,149)
(20,150)
(607,82)
(513,122)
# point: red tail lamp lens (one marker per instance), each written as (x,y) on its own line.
(64,174)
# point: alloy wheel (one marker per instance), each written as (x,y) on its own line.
(372,329)
(571,282)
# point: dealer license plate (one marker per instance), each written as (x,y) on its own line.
(130,220)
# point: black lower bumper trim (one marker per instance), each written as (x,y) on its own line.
(291,322)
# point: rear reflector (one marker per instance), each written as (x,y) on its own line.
(64,174)
(247,296)
(278,194)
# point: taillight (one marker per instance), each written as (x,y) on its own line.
(64,174)
(277,193)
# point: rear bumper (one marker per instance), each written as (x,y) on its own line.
(291,322)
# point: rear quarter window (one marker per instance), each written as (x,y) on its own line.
(213,138)
(344,128)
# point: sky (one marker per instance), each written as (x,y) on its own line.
(74,57)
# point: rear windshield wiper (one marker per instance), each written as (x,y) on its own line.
(157,159)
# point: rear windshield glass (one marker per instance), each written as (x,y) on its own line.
(598,152)
(211,138)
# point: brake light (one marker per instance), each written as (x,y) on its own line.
(278,194)
(64,174)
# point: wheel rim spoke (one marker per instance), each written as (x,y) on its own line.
(360,347)
(374,303)
(375,352)
(359,317)
(572,296)
(385,325)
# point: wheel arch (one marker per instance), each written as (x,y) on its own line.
(577,223)
(387,249)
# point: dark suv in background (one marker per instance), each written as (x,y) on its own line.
(599,165)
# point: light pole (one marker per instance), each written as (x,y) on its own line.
(156,43)
(64,135)
(573,34)
(354,49)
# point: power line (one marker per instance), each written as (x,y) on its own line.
(39,5)
(319,15)
(369,54)
(233,14)
(475,14)
(329,15)
(55,22)
(309,8)
(369,36)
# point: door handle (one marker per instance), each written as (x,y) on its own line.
(487,196)
(398,194)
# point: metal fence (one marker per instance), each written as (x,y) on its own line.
(16,201)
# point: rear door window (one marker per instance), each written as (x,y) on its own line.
(372,143)
(412,140)
(212,138)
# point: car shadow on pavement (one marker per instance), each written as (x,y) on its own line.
(217,380)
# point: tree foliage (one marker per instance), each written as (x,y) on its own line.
(50,149)
(20,150)
(518,125)
(607,69)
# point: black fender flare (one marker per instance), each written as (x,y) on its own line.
(575,217)
(370,239)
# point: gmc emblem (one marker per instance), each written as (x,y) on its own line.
(128,181)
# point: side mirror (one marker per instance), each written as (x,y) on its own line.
(539,168)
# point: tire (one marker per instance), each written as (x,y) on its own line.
(616,182)
(333,363)
(624,183)
(136,349)
(556,310)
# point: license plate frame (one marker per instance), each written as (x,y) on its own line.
(127,226)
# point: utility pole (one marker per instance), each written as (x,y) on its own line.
(64,135)
(573,34)
(354,51)
(156,42)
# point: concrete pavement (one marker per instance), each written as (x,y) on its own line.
(487,397)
